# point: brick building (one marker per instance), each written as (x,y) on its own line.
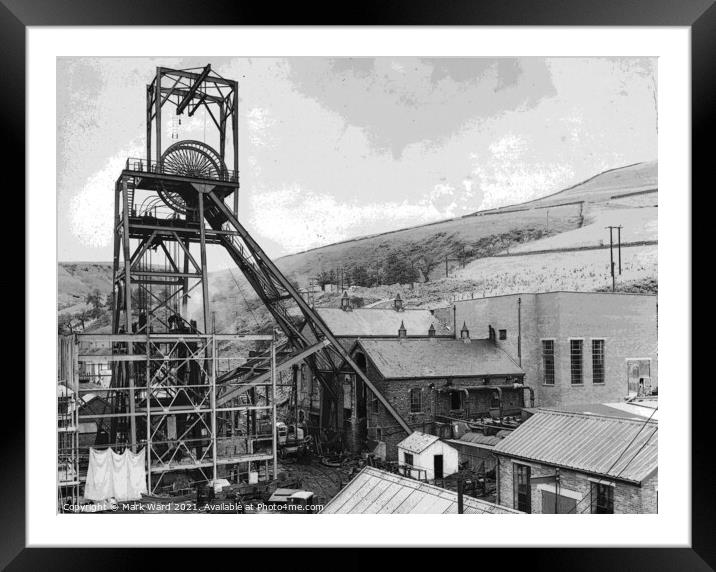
(575,347)
(348,324)
(427,381)
(578,463)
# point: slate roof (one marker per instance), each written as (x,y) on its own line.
(610,446)
(421,358)
(373,491)
(417,442)
(362,322)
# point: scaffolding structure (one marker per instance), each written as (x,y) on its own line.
(180,425)
(68,469)
(172,383)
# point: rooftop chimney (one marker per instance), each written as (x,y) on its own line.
(402,332)
(465,333)
(398,303)
(431,331)
(345,302)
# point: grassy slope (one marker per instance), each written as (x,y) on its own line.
(639,224)
(77,279)
(488,231)
(443,238)
(603,186)
(577,271)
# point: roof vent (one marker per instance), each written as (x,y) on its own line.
(465,333)
(431,331)
(398,303)
(402,332)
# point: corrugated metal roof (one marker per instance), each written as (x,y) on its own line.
(609,446)
(480,439)
(622,410)
(373,491)
(637,408)
(380,322)
(422,358)
(417,442)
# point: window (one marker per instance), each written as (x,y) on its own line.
(523,497)
(598,361)
(575,360)
(602,499)
(408,459)
(548,362)
(416,400)
(455,400)
(503,334)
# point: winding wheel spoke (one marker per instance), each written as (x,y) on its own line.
(189,159)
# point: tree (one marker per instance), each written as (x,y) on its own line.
(64,324)
(84,317)
(360,276)
(397,269)
(322,278)
(426,263)
(95,299)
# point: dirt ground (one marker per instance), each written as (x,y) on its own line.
(323,481)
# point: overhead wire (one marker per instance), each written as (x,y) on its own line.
(614,464)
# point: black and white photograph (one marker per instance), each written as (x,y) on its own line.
(418,283)
(357,285)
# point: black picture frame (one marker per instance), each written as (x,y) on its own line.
(699,15)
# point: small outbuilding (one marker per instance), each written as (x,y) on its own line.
(575,463)
(426,458)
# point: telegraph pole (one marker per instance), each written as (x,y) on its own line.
(611,250)
(611,255)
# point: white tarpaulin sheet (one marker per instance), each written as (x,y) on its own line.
(114,475)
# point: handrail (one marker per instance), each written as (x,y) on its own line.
(143,166)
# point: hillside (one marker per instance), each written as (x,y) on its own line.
(75,280)
(614,184)
(451,238)
(557,242)
(556,221)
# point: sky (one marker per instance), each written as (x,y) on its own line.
(334,148)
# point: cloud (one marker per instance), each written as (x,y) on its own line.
(382,142)
(298,219)
(513,172)
(91,209)
(260,121)
(400,101)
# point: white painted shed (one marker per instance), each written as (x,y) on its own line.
(426,457)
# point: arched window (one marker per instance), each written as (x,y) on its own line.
(416,400)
